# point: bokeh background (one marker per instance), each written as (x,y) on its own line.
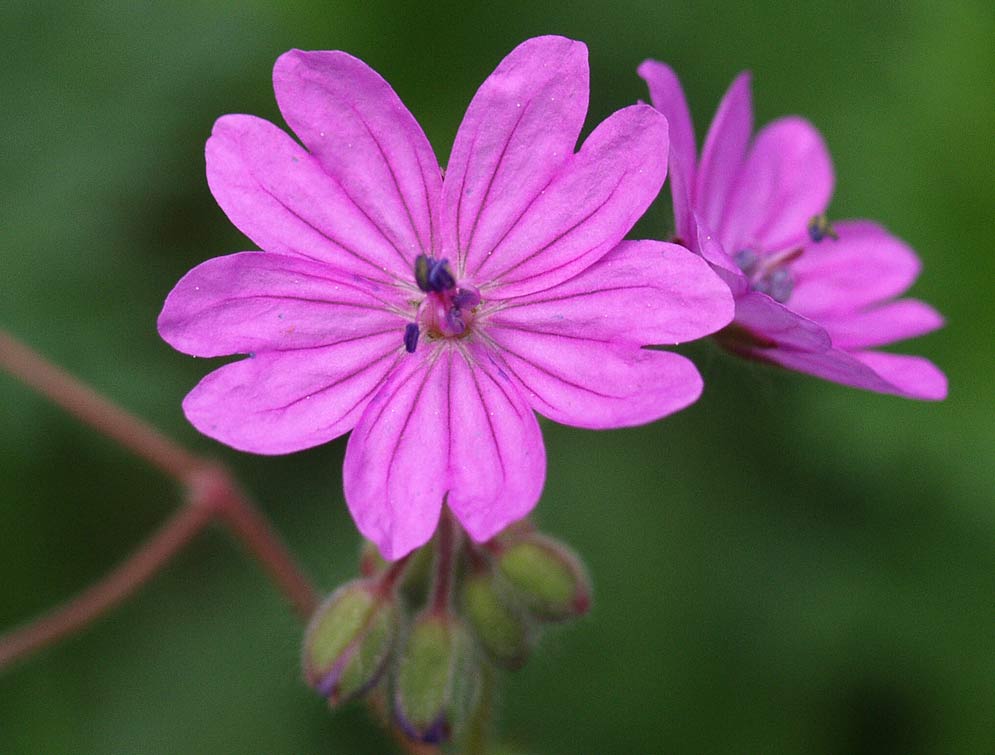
(789,566)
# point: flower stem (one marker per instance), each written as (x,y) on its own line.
(115,587)
(211,495)
(444,562)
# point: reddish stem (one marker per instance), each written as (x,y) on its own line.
(114,588)
(211,493)
(444,558)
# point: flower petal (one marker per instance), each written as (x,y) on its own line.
(257,301)
(519,130)
(586,210)
(787,179)
(667,96)
(641,292)
(723,153)
(914,377)
(895,321)
(769,320)
(396,463)
(281,198)
(497,459)
(282,401)
(911,377)
(367,141)
(866,265)
(598,385)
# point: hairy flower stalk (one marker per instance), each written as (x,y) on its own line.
(811,296)
(433,316)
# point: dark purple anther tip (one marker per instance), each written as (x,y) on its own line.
(433,275)
(411,337)
(746,260)
(466,298)
(439,277)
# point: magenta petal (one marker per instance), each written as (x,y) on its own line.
(352,121)
(667,96)
(598,385)
(723,153)
(865,266)
(281,198)
(520,128)
(282,401)
(895,321)
(787,179)
(914,377)
(396,462)
(256,301)
(641,292)
(764,317)
(497,458)
(587,209)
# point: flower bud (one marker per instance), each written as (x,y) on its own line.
(546,576)
(349,641)
(504,630)
(436,684)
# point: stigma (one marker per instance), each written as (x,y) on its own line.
(447,310)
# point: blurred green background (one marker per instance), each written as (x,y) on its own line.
(787,567)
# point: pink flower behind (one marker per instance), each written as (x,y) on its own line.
(432,317)
(810,297)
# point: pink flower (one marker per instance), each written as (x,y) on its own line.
(809,297)
(430,316)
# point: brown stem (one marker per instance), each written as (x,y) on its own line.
(444,556)
(115,587)
(211,494)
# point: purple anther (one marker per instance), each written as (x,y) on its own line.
(746,260)
(439,276)
(422,266)
(466,298)
(411,337)
(455,324)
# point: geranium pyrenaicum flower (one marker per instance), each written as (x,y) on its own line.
(431,316)
(810,296)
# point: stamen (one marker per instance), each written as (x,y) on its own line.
(411,337)
(466,298)
(433,275)
(455,323)
(819,228)
(746,260)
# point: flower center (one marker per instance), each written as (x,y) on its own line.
(768,273)
(447,311)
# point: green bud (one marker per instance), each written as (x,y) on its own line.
(546,576)
(436,684)
(349,640)
(371,563)
(502,627)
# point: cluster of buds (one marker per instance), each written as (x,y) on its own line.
(418,631)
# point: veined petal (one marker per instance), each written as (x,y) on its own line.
(496,455)
(908,376)
(281,198)
(641,292)
(787,179)
(723,153)
(895,321)
(598,385)
(520,128)
(282,401)
(769,320)
(396,463)
(865,266)
(257,301)
(586,210)
(667,96)
(356,126)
